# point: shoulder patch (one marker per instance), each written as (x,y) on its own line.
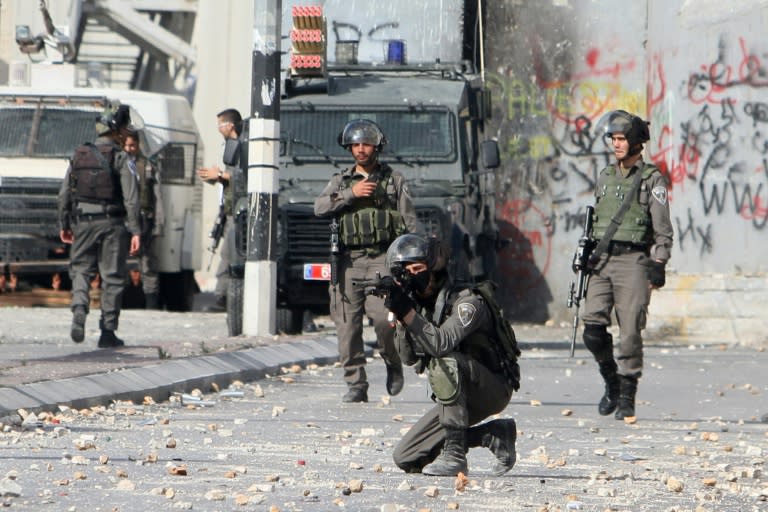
(660,194)
(466,312)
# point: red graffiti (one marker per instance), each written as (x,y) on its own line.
(524,227)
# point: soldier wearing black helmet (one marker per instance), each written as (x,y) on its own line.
(372,206)
(99,215)
(453,332)
(632,236)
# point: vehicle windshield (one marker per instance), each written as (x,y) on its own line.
(423,135)
(51,132)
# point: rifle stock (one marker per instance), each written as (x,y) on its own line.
(578,289)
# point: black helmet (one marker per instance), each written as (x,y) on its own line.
(410,249)
(621,121)
(362,131)
(116,117)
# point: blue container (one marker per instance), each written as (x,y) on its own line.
(396,52)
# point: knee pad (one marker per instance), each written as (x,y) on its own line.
(598,340)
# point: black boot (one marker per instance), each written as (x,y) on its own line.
(499,436)
(611,397)
(109,340)
(77,331)
(355,395)
(395,379)
(151,301)
(453,459)
(627,391)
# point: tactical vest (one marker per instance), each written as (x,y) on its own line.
(374,221)
(497,351)
(92,178)
(636,225)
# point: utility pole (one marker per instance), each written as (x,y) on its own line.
(260,284)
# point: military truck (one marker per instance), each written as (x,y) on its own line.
(39,129)
(433,117)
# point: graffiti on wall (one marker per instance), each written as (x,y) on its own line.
(716,153)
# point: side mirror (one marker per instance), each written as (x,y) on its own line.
(489,154)
(231,155)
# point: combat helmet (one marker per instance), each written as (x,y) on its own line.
(362,131)
(117,116)
(634,128)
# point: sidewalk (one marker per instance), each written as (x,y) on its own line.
(165,353)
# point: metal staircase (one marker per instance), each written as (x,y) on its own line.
(133,44)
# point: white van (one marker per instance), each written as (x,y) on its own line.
(39,129)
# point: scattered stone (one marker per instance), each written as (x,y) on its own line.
(405,485)
(674,485)
(566,412)
(125,485)
(215,495)
(356,485)
(432,491)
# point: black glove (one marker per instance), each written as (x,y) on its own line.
(398,302)
(656,274)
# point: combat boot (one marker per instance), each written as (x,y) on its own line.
(395,379)
(453,459)
(627,391)
(77,331)
(108,339)
(499,436)
(355,395)
(611,397)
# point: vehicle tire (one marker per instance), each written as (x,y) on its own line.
(289,320)
(235,306)
(177,290)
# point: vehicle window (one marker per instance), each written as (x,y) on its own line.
(427,135)
(55,133)
(15,127)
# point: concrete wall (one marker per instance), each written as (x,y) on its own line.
(698,70)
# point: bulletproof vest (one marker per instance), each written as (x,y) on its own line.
(496,347)
(636,225)
(92,177)
(374,221)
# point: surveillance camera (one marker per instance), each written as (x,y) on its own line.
(26,41)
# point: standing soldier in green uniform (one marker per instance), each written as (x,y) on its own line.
(632,240)
(98,200)
(152,217)
(373,206)
(457,334)
(230,125)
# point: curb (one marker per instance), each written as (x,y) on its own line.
(160,381)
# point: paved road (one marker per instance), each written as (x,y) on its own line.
(283,441)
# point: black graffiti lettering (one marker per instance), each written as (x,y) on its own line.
(706,240)
(757,111)
(696,234)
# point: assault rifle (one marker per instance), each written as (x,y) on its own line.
(335,250)
(578,289)
(378,286)
(217,232)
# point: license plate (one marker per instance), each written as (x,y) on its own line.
(317,271)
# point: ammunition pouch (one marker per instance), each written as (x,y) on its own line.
(369,227)
(444,377)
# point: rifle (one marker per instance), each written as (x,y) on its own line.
(335,250)
(217,232)
(578,289)
(378,286)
